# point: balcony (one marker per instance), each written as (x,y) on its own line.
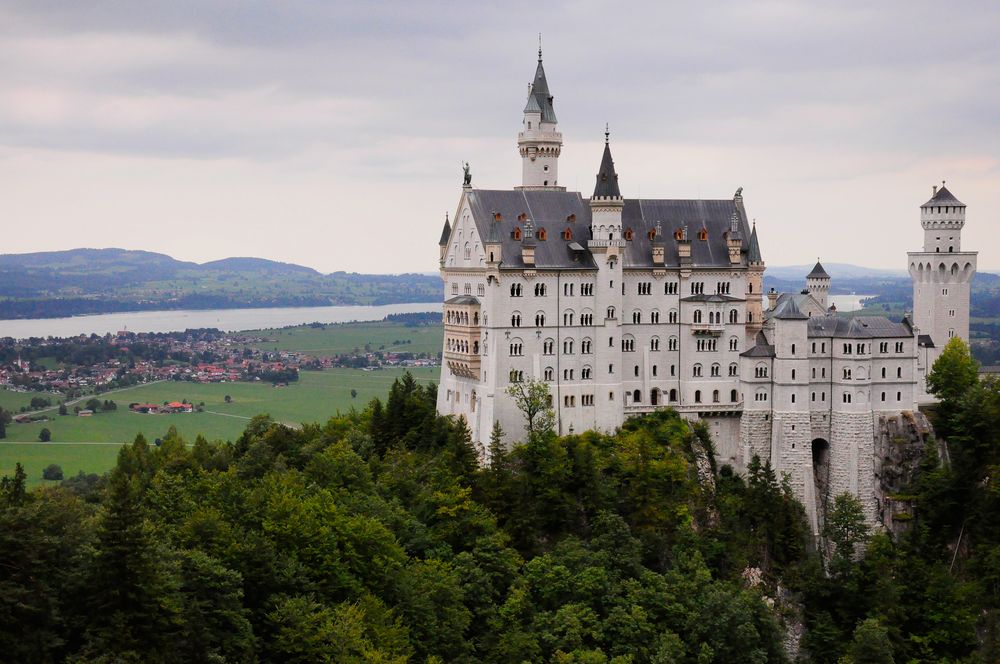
(708,328)
(465,365)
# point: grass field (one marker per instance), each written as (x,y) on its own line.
(344,338)
(314,398)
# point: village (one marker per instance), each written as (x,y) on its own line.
(73,367)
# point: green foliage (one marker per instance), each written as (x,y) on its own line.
(52,472)
(377,537)
(45,435)
(534,400)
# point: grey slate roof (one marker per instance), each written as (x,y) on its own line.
(925,341)
(462,299)
(760,348)
(713,297)
(607,179)
(445,232)
(540,93)
(858,327)
(551,210)
(753,252)
(787,310)
(943,197)
(818,272)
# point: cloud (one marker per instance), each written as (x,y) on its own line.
(284,129)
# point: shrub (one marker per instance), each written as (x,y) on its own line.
(52,472)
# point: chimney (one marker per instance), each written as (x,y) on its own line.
(933,191)
(772,299)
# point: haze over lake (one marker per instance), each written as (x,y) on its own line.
(227,320)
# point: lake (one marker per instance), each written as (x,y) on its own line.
(228,320)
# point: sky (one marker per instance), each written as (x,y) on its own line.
(331,134)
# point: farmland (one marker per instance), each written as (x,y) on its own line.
(351,337)
(314,398)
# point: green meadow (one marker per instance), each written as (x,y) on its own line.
(91,443)
(346,337)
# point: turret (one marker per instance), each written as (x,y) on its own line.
(445,238)
(755,285)
(606,204)
(942,218)
(818,284)
(539,142)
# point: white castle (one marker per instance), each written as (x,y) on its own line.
(624,306)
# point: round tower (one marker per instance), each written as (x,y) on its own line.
(539,141)
(818,284)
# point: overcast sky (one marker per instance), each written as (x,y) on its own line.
(331,134)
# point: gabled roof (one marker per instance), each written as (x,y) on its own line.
(858,327)
(760,348)
(462,299)
(607,179)
(818,272)
(711,297)
(943,197)
(445,232)
(552,210)
(788,310)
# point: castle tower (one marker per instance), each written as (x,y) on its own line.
(942,273)
(818,284)
(755,287)
(607,245)
(539,142)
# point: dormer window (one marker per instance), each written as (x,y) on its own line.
(678,234)
(703,235)
(651,234)
(541,234)
(567,234)
(571,218)
(522,217)
(497,216)
(517,233)
(628,233)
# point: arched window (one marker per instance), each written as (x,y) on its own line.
(637,396)
(734,316)
(734,369)
(697,396)
(515,319)
(654,343)
(540,319)
(697,315)
(673,395)
(696,371)
(567,347)
(672,343)
(567,317)
(636,317)
(715,396)
(541,234)
(654,317)
(734,396)
(611,312)
(585,346)
(549,372)
(716,370)
(734,343)
(586,373)
(548,347)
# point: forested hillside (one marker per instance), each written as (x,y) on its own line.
(378,537)
(93,281)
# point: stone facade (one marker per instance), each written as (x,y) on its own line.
(624,306)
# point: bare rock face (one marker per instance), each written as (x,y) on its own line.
(899,447)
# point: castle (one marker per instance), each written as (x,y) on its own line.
(624,306)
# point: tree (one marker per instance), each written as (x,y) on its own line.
(354,394)
(45,435)
(845,528)
(3,429)
(871,645)
(62,409)
(953,373)
(52,472)
(228,399)
(533,399)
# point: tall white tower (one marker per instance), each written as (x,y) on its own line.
(942,273)
(539,142)
(818,284)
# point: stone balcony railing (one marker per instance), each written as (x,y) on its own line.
(708,328)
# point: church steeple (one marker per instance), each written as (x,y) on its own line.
(539,142)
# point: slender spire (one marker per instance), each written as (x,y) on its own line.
(539,47)
(607,179)
(540,91)
(445,232)
(753,252)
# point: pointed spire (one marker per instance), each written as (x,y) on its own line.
(607,179)
(818,272)
(753,252)
(445,232)
(540,91)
